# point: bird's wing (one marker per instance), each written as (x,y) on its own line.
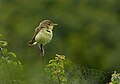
(36,32)
(31,42)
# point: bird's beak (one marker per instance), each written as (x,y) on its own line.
(55,24)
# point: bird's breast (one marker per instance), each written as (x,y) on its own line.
(44,37)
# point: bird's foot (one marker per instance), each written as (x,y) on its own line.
(42,54)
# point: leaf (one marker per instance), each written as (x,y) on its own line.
(62,72)
(51,61)
(11,53)
(3,43)
(54,73)
(61,66)
(19,62)
(63,79)
(4,50)
(49,65)
(54,77)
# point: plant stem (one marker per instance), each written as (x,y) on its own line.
(59,82)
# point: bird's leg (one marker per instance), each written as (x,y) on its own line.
(42,54)
(42,50)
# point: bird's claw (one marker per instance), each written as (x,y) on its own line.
(42,54)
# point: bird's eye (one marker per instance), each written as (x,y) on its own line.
(48,24)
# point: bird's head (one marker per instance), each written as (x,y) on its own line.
(48,24)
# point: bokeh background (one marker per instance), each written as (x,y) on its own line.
(88,31)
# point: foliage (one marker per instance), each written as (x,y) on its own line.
(56,69)
(88,30)
(11,71)
(115,78)
(10,68)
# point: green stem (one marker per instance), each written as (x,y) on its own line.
(59,82)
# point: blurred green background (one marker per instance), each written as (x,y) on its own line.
(88,31)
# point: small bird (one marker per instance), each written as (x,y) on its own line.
(42,35)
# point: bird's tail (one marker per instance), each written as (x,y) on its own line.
(31,43)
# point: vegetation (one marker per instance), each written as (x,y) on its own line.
(10,68)
(88,30)
(56,69)
(12,71)
(115,79)
(88,34)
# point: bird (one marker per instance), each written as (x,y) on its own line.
(43,34)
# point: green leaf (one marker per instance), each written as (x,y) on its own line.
(11,54)
(53,73)
(19,63)
(3,43)
(51,61)
(49,65)
(62,78)
(4,50)
(54,77)
(61,66)
(62,72)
